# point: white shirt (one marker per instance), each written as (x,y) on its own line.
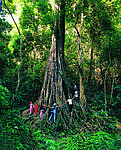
(70,101)
(76,93)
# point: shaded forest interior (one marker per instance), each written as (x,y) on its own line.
(53,46)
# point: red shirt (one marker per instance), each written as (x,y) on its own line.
(36,106)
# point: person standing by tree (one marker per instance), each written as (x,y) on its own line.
(53,111)
(75,87)
(31,107)
(76,96)
(36,109)
(42,111)
(70,104)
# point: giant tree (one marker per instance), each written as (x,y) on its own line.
(54,88)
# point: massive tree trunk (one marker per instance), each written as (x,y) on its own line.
(53,87)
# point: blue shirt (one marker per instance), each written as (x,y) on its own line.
(54,109)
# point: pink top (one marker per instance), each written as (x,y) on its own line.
(31,106)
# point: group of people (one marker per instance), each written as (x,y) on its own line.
(42,111)
(54,107)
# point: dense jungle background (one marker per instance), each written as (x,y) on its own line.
(91,59)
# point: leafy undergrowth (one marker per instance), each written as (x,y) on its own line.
(81,141)
(100,132)
(14,134)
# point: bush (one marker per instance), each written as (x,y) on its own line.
(14,134)
(98,140)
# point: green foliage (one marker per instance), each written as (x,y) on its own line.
(118,96)
(5,27)
(14,134)
(4,98)
(10,5)
(97,140)
(100,28)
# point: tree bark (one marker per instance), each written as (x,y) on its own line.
(82,92)
(91,65)
(53,87)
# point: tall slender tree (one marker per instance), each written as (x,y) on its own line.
(20,45)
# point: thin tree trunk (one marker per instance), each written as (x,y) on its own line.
(91,65)
(82,92)
(20,46)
